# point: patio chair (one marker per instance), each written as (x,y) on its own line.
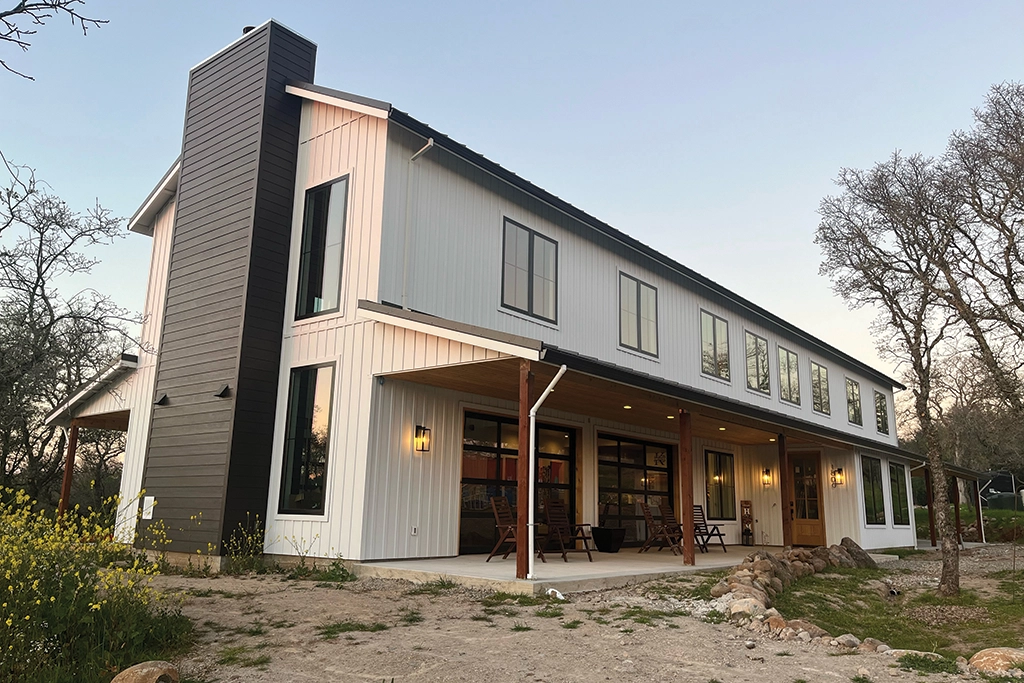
(506,523)
(702,532)
(565,532)
(669,535)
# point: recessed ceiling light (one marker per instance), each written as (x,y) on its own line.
(771,439)
(721,429)
(671,417)
(628,407)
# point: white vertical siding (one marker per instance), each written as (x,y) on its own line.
(139,397)
(442,254)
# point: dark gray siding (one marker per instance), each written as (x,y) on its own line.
(223,321)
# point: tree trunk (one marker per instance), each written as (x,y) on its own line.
(949,581)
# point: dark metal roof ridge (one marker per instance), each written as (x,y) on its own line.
(616,373)
(445,323)
(502,173)
(340,94)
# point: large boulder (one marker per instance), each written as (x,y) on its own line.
(746,607)
(861,558)
(148,672)
(996,660)
(801,625)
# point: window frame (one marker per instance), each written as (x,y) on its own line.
(851,383)
(881,416)
(794,364)
(767,360)
(530,270)
(322,512)
(302,238)
(900,492)
(707,485)
(639,348)
(877,505)
(824,398)
(714,343)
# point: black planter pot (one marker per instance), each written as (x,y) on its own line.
(607,539)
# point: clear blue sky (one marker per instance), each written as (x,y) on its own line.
(709,131)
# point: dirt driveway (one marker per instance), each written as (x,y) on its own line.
(272,629)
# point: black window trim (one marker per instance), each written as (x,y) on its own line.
(881,483)
(828,389)
(782,396)
(707,487)
(905,509)
(768,370)
(860,401)
(639,321)
(885,404)
(714,342)
(281,510)
(529,291)
(344,250)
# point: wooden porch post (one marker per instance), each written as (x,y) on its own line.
(977,512)
(523,529)
(69,469)
(686,479)
(956,508)
(931,502)
(786,492)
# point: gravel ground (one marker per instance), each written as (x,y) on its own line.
(272,625)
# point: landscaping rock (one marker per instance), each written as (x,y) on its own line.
(801,625)
(848,640)
(776,623)
(719,589)
(746,607)
(861,558)
(841,556)
(148,672)
(882,649)
(869,645)
(996,659)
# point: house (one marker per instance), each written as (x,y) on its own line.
(349,315)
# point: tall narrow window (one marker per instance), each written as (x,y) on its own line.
(323,236)
(853,410)
(874,504)
(714,345)
(529,281)
(789,376)
(307,433)
(898,492)
(638,315)
(721,485)
(819,389)
(881,413)
(757,363)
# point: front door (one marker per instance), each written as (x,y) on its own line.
(806,506)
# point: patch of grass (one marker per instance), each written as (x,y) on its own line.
(861,679)
(334,629)
(482,617)
(501,611)
(902,552)
(600,620)
(549,612)
(521,599)
(333,574)
(240,655)
(410,617)
(714,617)
(215,627)
(574,624)
(640,615)
(927,665)
(255,629)
(520,626)
(625,630)
(434,588)
(697,586)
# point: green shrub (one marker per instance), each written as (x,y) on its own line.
(76,604)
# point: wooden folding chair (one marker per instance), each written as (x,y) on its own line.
(506,523)
(564,531)
(702,533)
(660,531)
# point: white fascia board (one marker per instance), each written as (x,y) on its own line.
(336,101)
(156,199)
(453,335)
(90,388)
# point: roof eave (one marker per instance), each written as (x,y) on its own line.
(142,221)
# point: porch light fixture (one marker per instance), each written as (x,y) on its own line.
(422,439)
(721,429)
(627,407)
(837,477)
(766,477)
(772,440)
(671,417)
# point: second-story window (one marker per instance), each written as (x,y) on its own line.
(638,315)
(323,237)
(881,413)
(757,363)
(714,345)
(789,376)
(853,411)
(819,389)
(529,281)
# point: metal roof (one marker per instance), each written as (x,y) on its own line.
(116,369)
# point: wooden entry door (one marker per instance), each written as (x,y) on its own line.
(806,506)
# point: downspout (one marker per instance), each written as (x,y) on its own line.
(533,466)
(408,210)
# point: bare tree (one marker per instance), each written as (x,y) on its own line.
(878,241)
(22,21)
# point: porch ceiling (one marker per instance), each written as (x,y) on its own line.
(585,394)
(116,421)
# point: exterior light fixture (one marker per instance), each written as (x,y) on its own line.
(671,417)
(772,439)
(766,477)
(837,477)
(627,407)
(422,439)
(721,429)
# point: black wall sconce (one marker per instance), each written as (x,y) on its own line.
(837,477)
(422,439)
(766,477)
